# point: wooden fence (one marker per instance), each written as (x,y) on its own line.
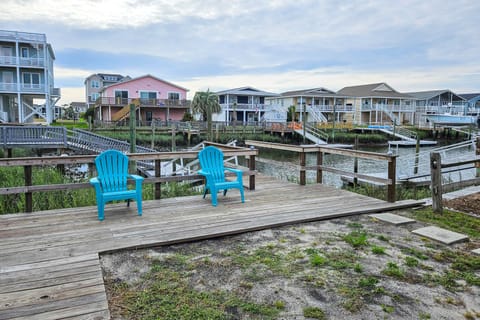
(157,157)
(390,181)
(437,184)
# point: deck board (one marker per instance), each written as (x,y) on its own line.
(50,269)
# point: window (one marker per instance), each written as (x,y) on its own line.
(148,97)
(31,80)
(174,96)
(121,96)
(24,52)
(242,99)
(94,96)
(95,84)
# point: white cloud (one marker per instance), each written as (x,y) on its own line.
(72,94)
(65,73)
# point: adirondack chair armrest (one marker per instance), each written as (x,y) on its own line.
(95,182)
(138,180)
(204,173)
(237,171)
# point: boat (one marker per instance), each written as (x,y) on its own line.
(452,120)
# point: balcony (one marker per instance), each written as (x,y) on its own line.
(24,88)
(244,106)
(389,107)
(170,103)
(6,35)
(326,108)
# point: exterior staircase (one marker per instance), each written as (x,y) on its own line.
(124,113)
(312,133)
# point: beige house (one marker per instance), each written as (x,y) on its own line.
(318,105)
(379,104)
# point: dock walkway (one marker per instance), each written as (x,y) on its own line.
(49,265)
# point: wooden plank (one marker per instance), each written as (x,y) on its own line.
(54,254)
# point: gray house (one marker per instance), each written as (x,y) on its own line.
(26,77)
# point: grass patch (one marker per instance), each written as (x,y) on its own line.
(314,313)
(356,239)
(393,270)
(451,220)
(166,294)
(378,250)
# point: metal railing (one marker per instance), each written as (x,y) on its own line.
(143,102)
(32,136)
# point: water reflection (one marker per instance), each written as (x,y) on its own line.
(285,165)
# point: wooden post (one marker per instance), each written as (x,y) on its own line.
(355,164)
(319,170)
(436,186)
(133,137)
(174,145)
(28,182)
(152,144)
(417,151)
(477,152)
(158,185)
(133,133)
(392,164)
(251,166)
(303,180)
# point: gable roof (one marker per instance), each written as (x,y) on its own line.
(470,96)
(247,91)
(141,77)
(427,95)
(373,90)
(118,77)
(309,92)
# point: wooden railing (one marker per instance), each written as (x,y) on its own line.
(319,168)
(157,180)
(438,186)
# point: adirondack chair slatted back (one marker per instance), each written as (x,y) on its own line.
(111,182)
(211,160)
(112,168)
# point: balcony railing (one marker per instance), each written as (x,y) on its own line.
(24,87)
(24,62)
(144,102)
(325,108)
(32,62)
(23,36)
(389,107)
(244,106)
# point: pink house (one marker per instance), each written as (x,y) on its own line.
(155,99)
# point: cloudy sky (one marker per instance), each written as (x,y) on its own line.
(275,45)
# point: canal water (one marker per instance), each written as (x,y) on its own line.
(285,165)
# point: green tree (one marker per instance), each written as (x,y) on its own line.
(291,113)
(89,113)
(206,103)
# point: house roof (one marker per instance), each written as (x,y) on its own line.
(78,104)
(470,96)
(141,77)
(373,90)
(309,92)
(426,95)
(247,91)
(103,75)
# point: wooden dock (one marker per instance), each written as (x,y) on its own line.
(49,260)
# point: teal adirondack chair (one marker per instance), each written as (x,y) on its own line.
(212,168)
(111,182)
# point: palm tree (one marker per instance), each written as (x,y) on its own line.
(206,103)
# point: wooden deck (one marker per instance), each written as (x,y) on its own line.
(49,261)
